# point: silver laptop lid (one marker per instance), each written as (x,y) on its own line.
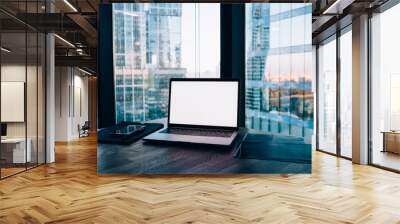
(212,103)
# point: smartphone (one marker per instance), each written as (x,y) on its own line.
(129,130)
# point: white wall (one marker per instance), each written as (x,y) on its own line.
(80,111)
(17,73)
(61,103)
(71,102)
(33,126)
(14,72)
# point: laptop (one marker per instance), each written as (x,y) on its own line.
(201,111)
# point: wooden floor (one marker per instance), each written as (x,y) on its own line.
(10,171)
(70,191)
(387,159)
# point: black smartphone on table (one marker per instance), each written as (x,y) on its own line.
(128,130)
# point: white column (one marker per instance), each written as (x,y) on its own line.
(360,90)
(50,99)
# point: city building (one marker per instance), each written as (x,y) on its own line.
(147,55)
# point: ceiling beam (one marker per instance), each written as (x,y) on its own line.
(81,61)
(84,24)
(337,7)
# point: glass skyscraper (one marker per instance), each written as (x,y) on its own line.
(154,42)
(279,96)
(147,53)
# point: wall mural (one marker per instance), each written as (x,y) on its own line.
(154,42)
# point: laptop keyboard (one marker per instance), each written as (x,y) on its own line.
(199,132)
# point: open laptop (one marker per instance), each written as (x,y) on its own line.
(201,111)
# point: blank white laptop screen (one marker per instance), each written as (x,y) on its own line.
(207,103)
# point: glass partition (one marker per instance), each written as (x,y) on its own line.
(22,90)
(14,144)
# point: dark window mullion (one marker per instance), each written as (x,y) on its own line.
(26,86)
(0,95)
(316,97)
(338,73)
(37,90)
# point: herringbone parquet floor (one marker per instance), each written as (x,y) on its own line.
(70,191)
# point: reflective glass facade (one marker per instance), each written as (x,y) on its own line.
(154,42)
(279,97)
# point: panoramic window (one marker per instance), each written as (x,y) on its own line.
(327,96)
(279,96)
(154,42)
(346,93)
(385,89)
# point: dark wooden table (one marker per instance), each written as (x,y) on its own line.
(150,158)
